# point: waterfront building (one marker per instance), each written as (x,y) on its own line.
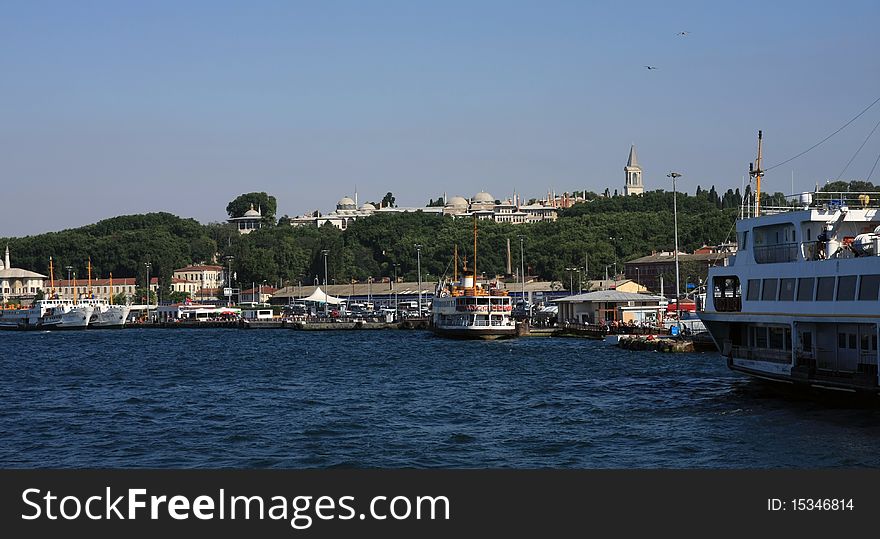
(633,172)
(17,283)
(482,206)
(203,275)
(609,306)
(100,288)
(250,221)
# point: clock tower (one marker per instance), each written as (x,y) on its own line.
(633,172)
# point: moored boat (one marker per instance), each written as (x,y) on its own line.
(467,310)
(800,301)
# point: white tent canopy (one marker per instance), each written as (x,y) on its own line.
(319,296)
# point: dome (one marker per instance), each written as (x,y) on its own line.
(457,202)
(252,212)
(483,198)
(368,207)
(346,204)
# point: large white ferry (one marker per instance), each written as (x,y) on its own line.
(800,301)
(106,315)
(467,310)
(47,314)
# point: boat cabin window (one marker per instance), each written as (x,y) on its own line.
(770,286)
(786,289)
(743,240)
(825,289)
(727,295)
(754,289)
(869,288)
(846,288)
(805,288)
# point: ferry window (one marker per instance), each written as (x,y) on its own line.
(841,341)
(777,338)
(760,337)
(786,290)
(825,289)
(770,286)
(805,288)
(852,341)
(846,288)
(754,289)
(869,288)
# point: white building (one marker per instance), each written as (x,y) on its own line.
(250,221)
(16,282)
(202,275)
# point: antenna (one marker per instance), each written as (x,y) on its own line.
(756,172)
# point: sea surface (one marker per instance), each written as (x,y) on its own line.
(288,399)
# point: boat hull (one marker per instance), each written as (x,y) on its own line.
(475,333)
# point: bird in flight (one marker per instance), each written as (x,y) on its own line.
(651,67)
(682,34)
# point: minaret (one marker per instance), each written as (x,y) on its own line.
(6,264)
(633,171)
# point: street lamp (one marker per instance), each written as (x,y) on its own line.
(69,285)
(229,259)
(571,279)
(325,252)
(522,275)
(418,247)
(675,175)
(148,266)
(394,286)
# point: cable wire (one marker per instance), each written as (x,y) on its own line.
(844,126)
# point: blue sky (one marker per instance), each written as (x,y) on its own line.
(121,107)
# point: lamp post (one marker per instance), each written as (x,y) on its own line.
(418,247)
(522,275)
(148,266)
(370,292)
(571,279)
(394,286)
(229,259)
(675,175)
(325,252)
(69,284)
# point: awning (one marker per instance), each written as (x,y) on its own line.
(319,296)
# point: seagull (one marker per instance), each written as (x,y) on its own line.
(682,34)
(651,67)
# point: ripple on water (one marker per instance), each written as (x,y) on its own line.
(220,398)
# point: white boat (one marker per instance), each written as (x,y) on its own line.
(467,310)
(47,314)
(106,316)
(799,303)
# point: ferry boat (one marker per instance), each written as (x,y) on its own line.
(106,314)
(799,303)
(52,313)
(47,314)
(466,310)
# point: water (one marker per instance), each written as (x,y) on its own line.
(282,398)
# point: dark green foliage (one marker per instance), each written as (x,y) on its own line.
(608,229)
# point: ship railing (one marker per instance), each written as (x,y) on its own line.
(830,200)
(772,254)
(761,354)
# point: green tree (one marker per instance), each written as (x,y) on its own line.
(388,200)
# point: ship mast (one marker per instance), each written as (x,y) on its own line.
(51,277)
(455,265)
(111,288)
(90,278)
(757,172)
(475,255)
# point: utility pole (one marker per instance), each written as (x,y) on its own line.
(675,175)
(522,275)
(418,247)
(325,252)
